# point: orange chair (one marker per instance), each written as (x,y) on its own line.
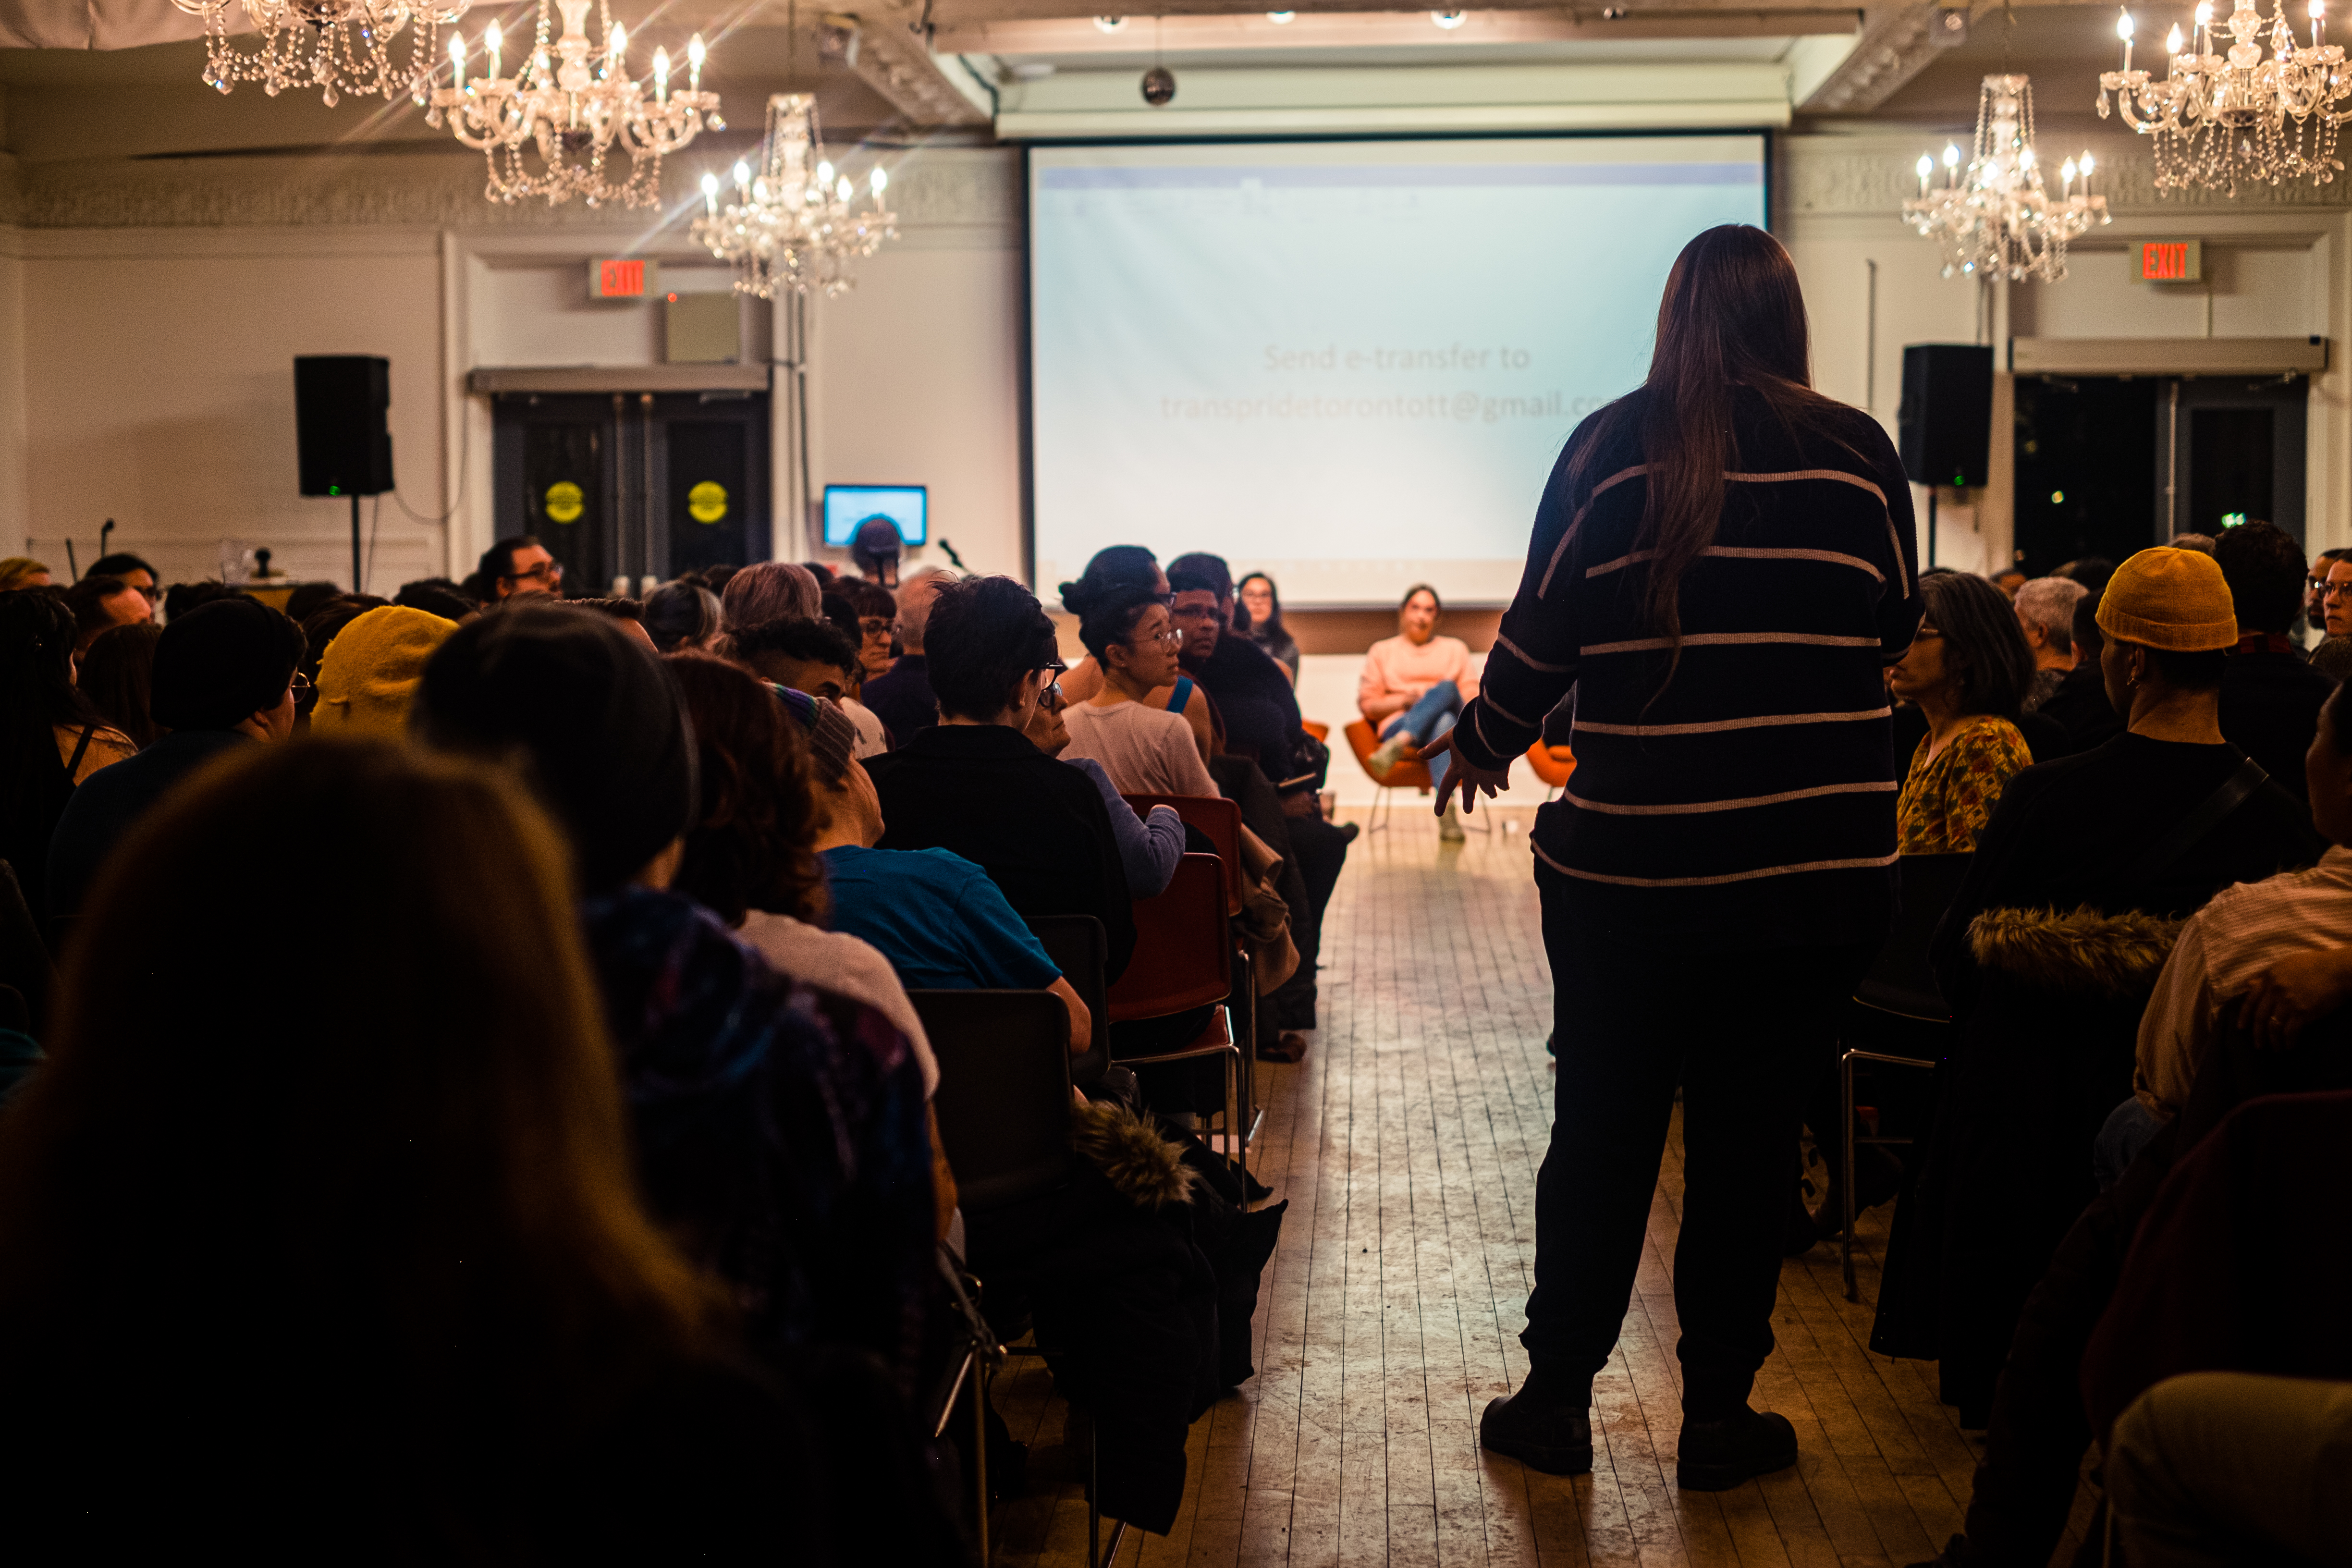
(1182,960)
(1409,774)
(1552,765)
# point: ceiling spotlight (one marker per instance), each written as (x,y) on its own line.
(1449,20)
(1282,18)
(1111,24)
(1159,87)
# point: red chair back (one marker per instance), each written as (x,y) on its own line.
(1219,822)
(1410,773)
(1182,951)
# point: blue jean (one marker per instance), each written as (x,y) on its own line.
(1428,718)
(2129,1127)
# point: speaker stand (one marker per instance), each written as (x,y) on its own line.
(359,586)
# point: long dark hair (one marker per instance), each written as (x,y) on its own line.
(1113,567)
(749,847)
(1732,316)
(118,675)
(1985,653)
(423,1203)
(1271,629)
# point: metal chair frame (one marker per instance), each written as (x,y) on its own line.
(1845,1109)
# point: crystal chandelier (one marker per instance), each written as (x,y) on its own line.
(2217,119)
(792,225)
(1995,217)
(549,130)
(336,45)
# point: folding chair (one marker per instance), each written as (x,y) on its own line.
(1901,985)
(1183,962)
(1219,821)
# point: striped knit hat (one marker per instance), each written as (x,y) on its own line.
(2170,599)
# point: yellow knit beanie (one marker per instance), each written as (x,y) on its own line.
(368,675)
(2171,599)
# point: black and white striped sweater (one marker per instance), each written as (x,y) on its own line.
(1750,801)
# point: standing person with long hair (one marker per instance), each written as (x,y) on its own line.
(1722,565)
(52,736)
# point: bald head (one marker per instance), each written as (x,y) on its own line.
(916,593)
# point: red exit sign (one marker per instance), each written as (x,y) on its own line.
(2171,260)
(620,279)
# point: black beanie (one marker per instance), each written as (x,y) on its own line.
(601,727)
(221,662)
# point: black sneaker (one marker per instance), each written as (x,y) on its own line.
(1553,1438)
(1717,1456)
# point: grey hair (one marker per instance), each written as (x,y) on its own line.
(770,591)
(2049,603)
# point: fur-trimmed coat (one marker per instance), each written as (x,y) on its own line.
(2047,957)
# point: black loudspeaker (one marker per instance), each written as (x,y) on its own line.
(340,403)
(1944,422)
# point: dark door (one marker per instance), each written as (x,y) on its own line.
(2240,452)
(2085,469)
(622,485)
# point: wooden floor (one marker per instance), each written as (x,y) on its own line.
(1407,1144)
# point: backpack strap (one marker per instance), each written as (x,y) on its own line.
(80,747)
(2190,830)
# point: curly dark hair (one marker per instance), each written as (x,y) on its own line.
(751,847)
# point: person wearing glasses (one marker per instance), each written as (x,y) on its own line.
(136,574)
(977,785)
(2271,695)
(225,674)
(1145,749)
(514,567)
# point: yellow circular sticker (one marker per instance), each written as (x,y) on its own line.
(707,502)
(565,502)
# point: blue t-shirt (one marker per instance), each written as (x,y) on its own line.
(939,920)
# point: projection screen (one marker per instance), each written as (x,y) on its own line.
(1347,363)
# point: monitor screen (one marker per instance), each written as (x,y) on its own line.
(847,506)
(1346,363)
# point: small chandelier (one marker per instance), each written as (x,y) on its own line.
(2217,119)
(549,131)
(1995,218)
(793,225)
(336,45)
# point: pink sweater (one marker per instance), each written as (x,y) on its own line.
(1395,667)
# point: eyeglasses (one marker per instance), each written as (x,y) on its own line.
(876,625)
(1168,634)
(545,571)
(305,695)
(1194,612)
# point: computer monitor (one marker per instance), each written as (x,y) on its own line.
(848,506)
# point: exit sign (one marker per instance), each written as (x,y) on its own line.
(2171,260)
(623,280)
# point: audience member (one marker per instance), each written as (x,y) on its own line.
(1967,669)
(875,549)
(876,613)
(323,624)
(685,618)
(1119,567)
(1257,615)
(2090,571)
(99,604)
(2314,602)
(771,590)
(2047,956)
(2009,582)
(116,675)
(438,596)
(1144,750)
(714,578)
(223,676)
(52,737)
(1257,711)
(781,1129)
(750,857)
(2200,542)
(306,599)
(22,572)
(516,567)
(816,659)
(975,784)
(624,613)
(368,679)
(2080,705)
(2270,694)
(2333,657)
(1413,688)
(2045,610)
(902,699)
(2215,1468)
(416,1288)
(2230,945)
(135,572)
(1148,847)
(182,597)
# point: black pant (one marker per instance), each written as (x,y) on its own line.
(1742,1031)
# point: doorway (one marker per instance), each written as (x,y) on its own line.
(628,485)
(2108,466)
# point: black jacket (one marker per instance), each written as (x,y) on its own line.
(2081,706)
(2270,711)
(1037,826)
(1254,699)
(902,699)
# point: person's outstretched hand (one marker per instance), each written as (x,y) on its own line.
(1465,775)
(2295,991)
